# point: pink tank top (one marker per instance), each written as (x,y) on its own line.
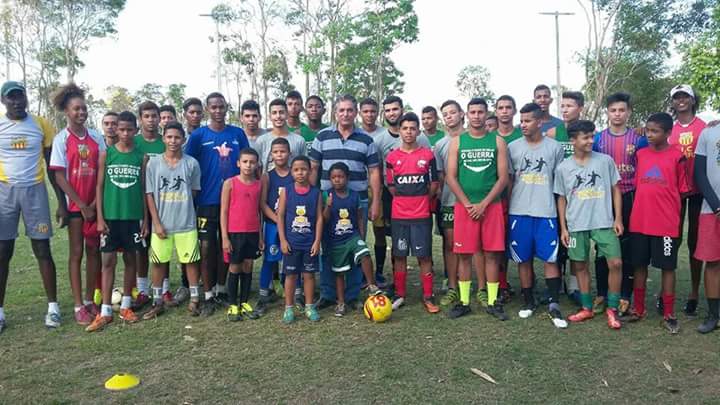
(244,212)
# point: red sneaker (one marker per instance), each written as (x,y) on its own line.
(93,309)
(581,316)
(612,319)
(127,315)
(168,299)
(83,317)
(99,323)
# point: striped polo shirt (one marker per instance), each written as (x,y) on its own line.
(358,152)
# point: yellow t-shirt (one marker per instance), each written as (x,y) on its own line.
(22,145)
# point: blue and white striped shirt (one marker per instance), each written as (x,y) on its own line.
(358,151)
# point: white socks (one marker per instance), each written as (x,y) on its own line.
(53,308)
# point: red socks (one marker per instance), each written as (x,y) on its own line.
(399,278)
(639,300)
(503,280)
(668,305)
(427,284)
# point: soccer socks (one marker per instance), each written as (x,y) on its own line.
(106,310)
(266,275)
(245,282)
(53,308)
(492,289)
(503,279)
(125,302)
(157,295)
(601,276)
(464,287)
(165,285)
(713,307)
(232,286)
(194,292)
(527,294)
(668,305)
(639,300)
(613,300)
(586,300)
(142,285)
(427,284)
(400,277)
(553,285)
(380,254)
(185,281)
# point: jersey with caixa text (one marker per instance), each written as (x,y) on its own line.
(411,174)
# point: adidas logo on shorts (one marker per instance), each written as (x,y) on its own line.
(667,246)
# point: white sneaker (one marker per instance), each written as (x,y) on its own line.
(52,320)
(397,303)
(557,319)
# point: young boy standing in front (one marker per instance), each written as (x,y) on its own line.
(412,180)
(121,217)
(300,224)
(240,218)
(655,219)
(588,194)
(172,180)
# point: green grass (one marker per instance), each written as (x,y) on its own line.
(414,357)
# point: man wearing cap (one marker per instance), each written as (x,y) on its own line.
(684,136)
(25,142)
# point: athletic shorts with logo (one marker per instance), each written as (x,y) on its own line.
(185,243)
(272,251)
(607,244)
(533,237)
(245,246)
(412,238)
(208,221)
(32,202)
(122,236)
(657,251)
(708,246)
(486,234)
(447,217)
(89,230)
(300,261)
(350,252)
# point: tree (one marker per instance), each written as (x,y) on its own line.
(175,96)
(701,63)
(150,91)
(473,81)
(119,99)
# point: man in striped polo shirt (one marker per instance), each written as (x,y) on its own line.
(352,146)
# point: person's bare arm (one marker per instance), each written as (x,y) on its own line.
(224,211)
(266,209)
(328,208)
(101,225)
(157,227)
(61,214)
(282,202)
(376,187)
(617,209)
(315,249)
(562,210)
(314,171)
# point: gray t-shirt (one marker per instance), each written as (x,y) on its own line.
(253,142)
(378,130)
(709,146)
(588,190)
(447,198)
(386,143)
(532,169)
(264,144)
(172,189)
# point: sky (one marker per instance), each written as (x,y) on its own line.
(509,38)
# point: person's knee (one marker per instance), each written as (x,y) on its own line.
(41,249)
(615,264)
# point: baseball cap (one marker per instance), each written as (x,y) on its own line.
(682,88)
(11,85)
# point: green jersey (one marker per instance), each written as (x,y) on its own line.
(156,147)
(514,135)
(122,190)
(434,138)
(561,135)
(308,133)
(477,165)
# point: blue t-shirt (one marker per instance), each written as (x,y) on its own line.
(217,153)
(301,217)
(275,182)
(552,123)
(343,224)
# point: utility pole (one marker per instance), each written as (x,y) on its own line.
(217,44)
(557,15)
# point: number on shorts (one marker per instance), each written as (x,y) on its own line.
(103,240)
(572,243)
(136,237)
(202,222)
(448,216)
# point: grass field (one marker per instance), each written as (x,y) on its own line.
(413,358)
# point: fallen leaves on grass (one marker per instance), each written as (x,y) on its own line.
(697,371)
(605,383)
(188,326)
(483,375)
(673,390)
(668,367)
(189,339)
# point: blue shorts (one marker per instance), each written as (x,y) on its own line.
(532,236)
(300,261)
(272,251)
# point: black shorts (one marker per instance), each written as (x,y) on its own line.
(412,238)
(122,236)
(656,251)
(245,245)
(300,261)
(208,222)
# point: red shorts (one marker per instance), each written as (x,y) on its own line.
(486,234)
(91,234)
(708,246)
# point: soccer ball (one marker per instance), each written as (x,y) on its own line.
(378,308)
(116,299)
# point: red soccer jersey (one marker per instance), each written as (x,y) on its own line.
(661,177)
(685,138)
(78,156)
(411,174)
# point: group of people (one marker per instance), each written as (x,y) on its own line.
(300,195)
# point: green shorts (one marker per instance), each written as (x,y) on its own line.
(447,217)
(607,244)
(343,256)
(186,244)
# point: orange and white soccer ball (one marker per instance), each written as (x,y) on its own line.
(378,308)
